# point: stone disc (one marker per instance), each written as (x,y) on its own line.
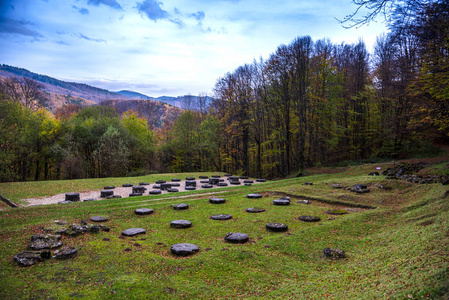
(155,192)
(143,211)
(98,219)
(236,238)
(217,200)
(254,196)
(221,217)
(255,210)
(281,202)
(133,231)
(309,218)
(181,206)
(184,249)
(180,224)
(276,227)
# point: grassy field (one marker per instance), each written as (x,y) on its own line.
(396,239)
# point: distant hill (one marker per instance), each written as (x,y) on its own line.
(75,91)
(155,110)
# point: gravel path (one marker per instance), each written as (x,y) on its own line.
(122,191)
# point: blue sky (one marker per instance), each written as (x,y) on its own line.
(161,47)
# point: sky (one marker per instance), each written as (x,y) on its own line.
(162,48)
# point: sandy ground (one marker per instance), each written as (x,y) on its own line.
(122,191)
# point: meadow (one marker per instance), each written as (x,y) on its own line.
(395,238)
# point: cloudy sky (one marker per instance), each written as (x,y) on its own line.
(161,47)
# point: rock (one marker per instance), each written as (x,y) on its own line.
(217,200)
(155,192)
(127,185)
(254,196)
(66,253)
(106,193)
(139,189)
(235,182)
(114,197)
(360,188)
(334,253)
(207,186)
(221,217)
(304,201)
(261,180)
(89,199)
(276,227)
(175,184)
(236,238)
(190,183)
(184,249)
(308,183)
(255,210)
(74,197)
(222,184)
(190,178)
(248,181)
(176,180)
(143,211)
(104,228)
(161,181)
(109,187)
(133,231)
(281,202)
(233,178)
(135,194)
(337,212)
(214,181)
(29,258)
(285,198)
(76,230)
(181,206)
(165,186)
(309,218)
(64,202)
(42,241)
(172,190)
(190,188)
(94,229)
(336,186)
(180,224)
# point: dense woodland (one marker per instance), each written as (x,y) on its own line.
(310,103)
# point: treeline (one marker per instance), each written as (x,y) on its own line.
(315,102)
(309,103)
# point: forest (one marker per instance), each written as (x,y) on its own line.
(310,103)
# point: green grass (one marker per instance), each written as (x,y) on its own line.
(396,251)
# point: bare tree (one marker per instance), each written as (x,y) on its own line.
(25,90)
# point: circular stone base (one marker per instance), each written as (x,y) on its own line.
(221,217)
(155,192)
(236,238)
(106,193)
(217,200)
(309,219)
(176,180)
(98,219)
(184,249)
(135,194)
(172,190)
(160,181)
(276,227)
(143,211)
(254,196)
(190,178)
(180,224)
(127,185)
(190,188)
(133,231)
(222,184)
(72,197)
(157,186)
(255,210)
(206,186)
(175,184)
(281,202)
(181,206)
